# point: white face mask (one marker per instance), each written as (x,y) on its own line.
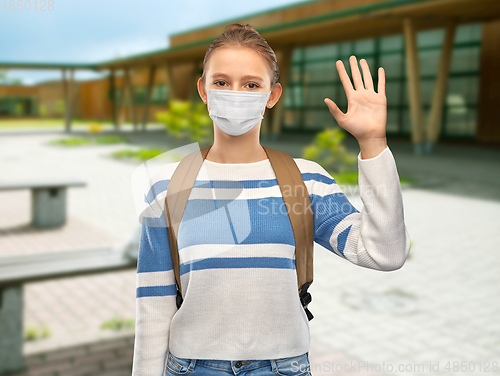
(236,112)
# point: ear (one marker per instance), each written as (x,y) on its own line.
(274,96)
(201,90)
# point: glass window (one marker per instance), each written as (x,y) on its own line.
(426,92)
(393,93)
(324,71)
(429,62)
(465,87)
(460,121)
(373,69)
(322,51)
(392,121)
(429,38)
(427,88)
(293,96)
(139,93)
(468,33)
(317,94)
(456,104)
(366,46)
(291,119)
(392,65)
(294,73)
(465,59)
(159,93)
(287,97)
(345,49)
(347,66)
(318,119)
(391,43)
(340,98)
(462,91)
(297,54)
(407,124)
(118,95)
(406,95)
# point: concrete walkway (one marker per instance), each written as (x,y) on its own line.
(440,308)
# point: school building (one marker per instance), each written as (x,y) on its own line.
(440,59)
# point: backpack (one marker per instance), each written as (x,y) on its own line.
(302,221)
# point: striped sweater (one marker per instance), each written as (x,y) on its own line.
(237,258)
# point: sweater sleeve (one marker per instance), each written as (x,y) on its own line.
(155,296)
(375,238)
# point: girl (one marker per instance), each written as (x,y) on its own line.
(241,314)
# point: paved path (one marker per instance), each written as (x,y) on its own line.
(442,306)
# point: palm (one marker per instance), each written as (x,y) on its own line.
(366,115)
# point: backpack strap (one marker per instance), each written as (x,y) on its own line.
(178,191)
(298,205)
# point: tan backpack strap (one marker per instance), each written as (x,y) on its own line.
(298,205)
(178,191)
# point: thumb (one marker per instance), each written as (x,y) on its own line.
(334,110)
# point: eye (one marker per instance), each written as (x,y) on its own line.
(256,86)
(215,83)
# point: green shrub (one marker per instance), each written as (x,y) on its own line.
(73,141)
(110,140)
(60,107)
(142,154)
(32,333)
(327,150)
(77,141)
(118,324)
(187,121)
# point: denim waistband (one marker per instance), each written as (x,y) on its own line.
(233,364)
(245,365)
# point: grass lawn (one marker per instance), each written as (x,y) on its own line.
(52,122)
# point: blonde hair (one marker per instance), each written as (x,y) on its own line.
(245,36)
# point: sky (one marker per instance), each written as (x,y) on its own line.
(77,31)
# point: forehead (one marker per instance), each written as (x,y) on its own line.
(236,62)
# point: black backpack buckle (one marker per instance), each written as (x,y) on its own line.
(178,299)
(306,298)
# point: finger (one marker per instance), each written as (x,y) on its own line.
(356,74)
(381,81)
(344,78)
(367,76)
(334,110)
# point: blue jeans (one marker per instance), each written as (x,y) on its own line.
(293,366)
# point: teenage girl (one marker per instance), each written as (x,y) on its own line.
(241,313)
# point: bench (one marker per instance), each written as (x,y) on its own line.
(17,270)
(48,202)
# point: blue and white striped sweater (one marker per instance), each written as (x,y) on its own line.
(237,256)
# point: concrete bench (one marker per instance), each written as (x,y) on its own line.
(48,200)
(17,270)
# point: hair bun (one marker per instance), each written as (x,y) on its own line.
(238,26)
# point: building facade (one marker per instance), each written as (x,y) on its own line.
(308,39)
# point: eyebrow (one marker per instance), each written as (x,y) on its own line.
(244,77)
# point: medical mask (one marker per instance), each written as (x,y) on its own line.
(236,112)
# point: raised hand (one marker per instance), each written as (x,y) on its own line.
(366,116)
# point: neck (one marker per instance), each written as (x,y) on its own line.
(236,149)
